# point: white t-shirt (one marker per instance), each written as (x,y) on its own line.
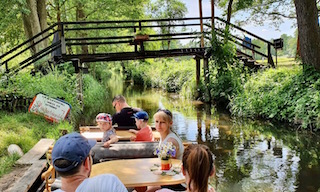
(105,182)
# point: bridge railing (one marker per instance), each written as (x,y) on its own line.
(106,36)
(101,38)
(23,55)
(244,41)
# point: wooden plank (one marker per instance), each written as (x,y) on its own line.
(37,151)
(29,177)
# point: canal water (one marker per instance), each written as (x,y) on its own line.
(250,155)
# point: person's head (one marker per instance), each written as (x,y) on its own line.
(141,118)
(163,120)
(197,166)
(71,155)
(104,121)
(118,102)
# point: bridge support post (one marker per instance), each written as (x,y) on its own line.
(78,69)
(206,77)
(197,75)
(197,71)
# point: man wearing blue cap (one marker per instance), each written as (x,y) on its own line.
(72,160)
(145,132)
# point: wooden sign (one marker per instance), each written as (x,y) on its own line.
(52,109)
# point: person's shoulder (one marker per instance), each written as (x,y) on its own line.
(164,190)
(104,182)
(135,109)
(58,190)
(111,131)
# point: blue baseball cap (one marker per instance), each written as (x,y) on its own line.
(141,115)
(72,147)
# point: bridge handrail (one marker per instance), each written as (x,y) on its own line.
(25,49)
(29,40)
(243,30)
(37,56)
(130,21)
(269,44)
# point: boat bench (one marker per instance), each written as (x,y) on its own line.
(123,150)
(32,158)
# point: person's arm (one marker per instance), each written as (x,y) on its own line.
(133,131)
(176,144)
(113,139)
(133,138)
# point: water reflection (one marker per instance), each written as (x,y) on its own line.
(249,155)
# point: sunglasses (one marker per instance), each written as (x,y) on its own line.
(166,111)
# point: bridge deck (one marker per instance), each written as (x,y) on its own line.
(199,52)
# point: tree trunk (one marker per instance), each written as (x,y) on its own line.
(229,13)
(42,14)
(35,23)
(28,30)
(80,16)
(309,32)
(229,10)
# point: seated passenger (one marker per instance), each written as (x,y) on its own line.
(163,122)
(104,122)
(72,160)
(124,113)
(197,167)
(145,131)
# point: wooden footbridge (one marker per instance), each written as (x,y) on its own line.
(82,43)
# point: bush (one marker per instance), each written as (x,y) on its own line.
(283,94)
(169,74)
(94,98)
(226,74)
(56,85)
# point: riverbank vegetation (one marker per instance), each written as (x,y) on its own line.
(25,130)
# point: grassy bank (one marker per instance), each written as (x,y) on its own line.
(25,130)
(282,62)
(284,94)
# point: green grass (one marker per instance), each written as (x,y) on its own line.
(25,130)
(282,62)
(285,94)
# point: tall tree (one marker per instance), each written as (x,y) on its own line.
(168,9)
(11,27)
(308,32)
(35,21)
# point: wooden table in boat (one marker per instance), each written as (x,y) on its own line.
(123,135)
(137,173)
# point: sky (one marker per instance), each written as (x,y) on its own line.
(266,31)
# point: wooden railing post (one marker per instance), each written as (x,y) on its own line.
(135,45)
(270,60)
(141,42)
(7,69)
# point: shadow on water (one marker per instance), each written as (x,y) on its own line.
(249,155)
